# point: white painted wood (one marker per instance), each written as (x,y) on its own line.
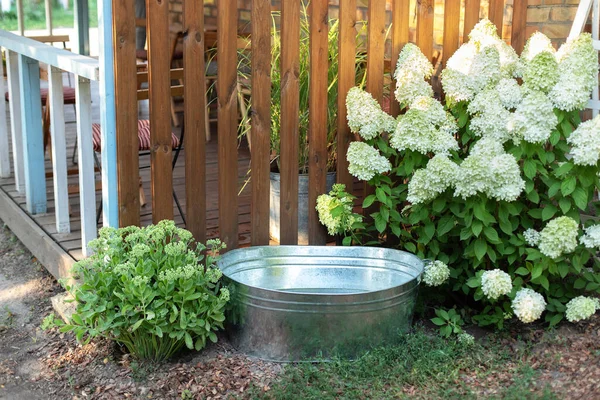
(85,152)
(14,105)
(48,7)
(4,148)
(84,66)
(580,19)
(20,17)
(59,151)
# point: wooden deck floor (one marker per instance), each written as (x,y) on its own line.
(71,243)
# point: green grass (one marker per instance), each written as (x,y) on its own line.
(422,366)
(35,17)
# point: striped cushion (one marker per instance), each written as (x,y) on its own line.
(68,94)
(143,136)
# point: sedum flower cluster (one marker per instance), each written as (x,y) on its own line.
(558,237)
(528,305)
(591,237)
(585,142)
(429,182)
(412,70)
(496,283)
(335,210)
(365,115)
(435,273)
(365,161)
(581,307)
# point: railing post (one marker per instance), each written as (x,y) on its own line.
(14,105)
(59,150)
(4,150)
(85,151)
(33,141)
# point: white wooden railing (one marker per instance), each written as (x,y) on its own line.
(23,71)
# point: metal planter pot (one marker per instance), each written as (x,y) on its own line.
(293,303)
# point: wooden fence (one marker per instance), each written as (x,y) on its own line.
(194,104)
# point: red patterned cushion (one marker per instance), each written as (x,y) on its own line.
(141,54)
(68,95)
(143,136)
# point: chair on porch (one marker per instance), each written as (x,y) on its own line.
(143,133)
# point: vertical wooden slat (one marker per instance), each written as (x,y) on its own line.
(290,104)
(471,17)
(496,14)
(261,120)
(14,105)
(451,29)
(4,148)
(519,25)
(48,9)
(159,83)
(20,18)
(59,150)
(227,102)
(346,80)
(33,142)
(376,49)
(85,151)
(126,118)
(425,12)
(400,30)
(317,129)
(194,122)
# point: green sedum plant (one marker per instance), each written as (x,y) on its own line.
(494,181)
(149,289)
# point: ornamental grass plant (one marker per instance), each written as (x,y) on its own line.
(493,181)
(151,290)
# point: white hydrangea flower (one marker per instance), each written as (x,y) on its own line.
(485,69)
(558,237)
(412,59)
(534,119)
(505,182)
(490,118)
(495,283)
(541,72)
(337,199)
(427,183)
(484,33)
(532,237)
(577,69)
(366,161)
(537,43)
(581,307)
(591,238)
(528,305)
(455,77)
(435,273)
(585,142)
(426,127)
(365,115)
(409,86)
(509,92)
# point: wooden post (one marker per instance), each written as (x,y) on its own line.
(48,7)
(496,14)
(195,124)
(317,128)
(425,13)
(82,25)
(227,103)
(14,105)
(376,49)
(4,148)
(110,193)
(85,151)
(33,141)
(400,29)
(519,26)
(261,121)
(451,29)
(126,120)
(346,80)
(290,107)
(471,17)
(20,18)
(59,150)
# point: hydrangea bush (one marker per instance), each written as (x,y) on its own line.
(491,182)
(149,289)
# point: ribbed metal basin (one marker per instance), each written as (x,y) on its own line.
(293,303)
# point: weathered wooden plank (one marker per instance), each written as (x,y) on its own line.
(496,14)
(126,119)
(425,13)
(4,147)
(471,16)
(194,123)
(451,29)
(59,149)
(261,121)
(33,142)
(159,66)
(519,25)
(346,80)
(400,31)
(290,106)
(317,129)
(376,49)
(227,106)
(14,93)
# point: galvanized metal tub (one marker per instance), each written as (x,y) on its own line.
(293,303)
